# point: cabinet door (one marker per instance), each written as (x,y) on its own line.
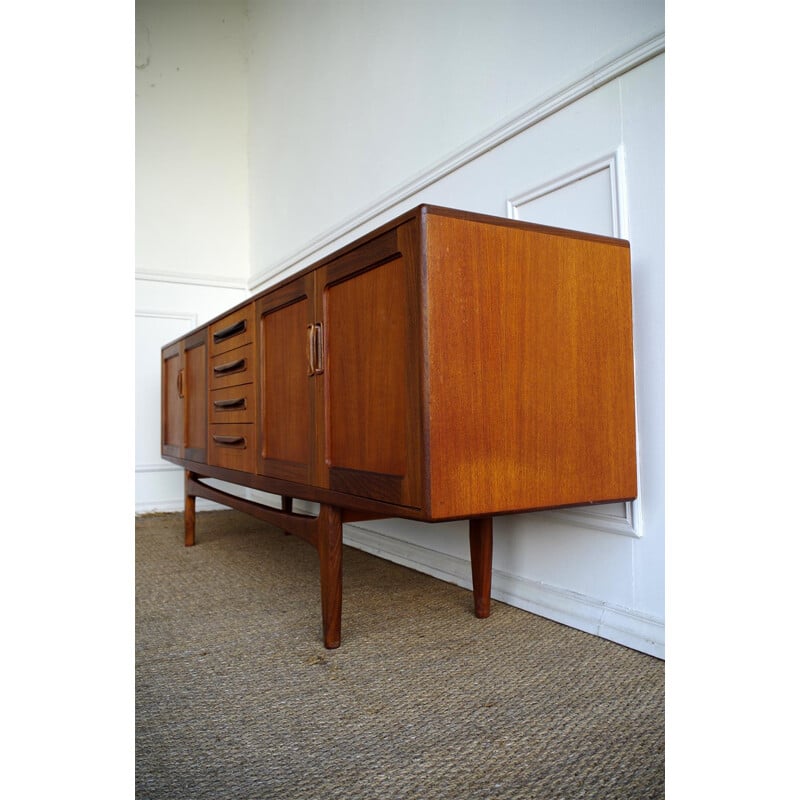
(172,401)
(368,301)
(286,372)
(195,390)
(184,400)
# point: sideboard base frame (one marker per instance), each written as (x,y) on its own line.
(324,533)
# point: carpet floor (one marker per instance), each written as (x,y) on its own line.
(237,698)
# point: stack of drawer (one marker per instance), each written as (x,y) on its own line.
(232,398)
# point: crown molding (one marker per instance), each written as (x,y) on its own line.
(542,109)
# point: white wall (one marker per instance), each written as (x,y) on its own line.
(351,99)
(192,206)
(192,217)
(551,112)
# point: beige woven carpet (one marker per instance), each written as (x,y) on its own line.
(237,698)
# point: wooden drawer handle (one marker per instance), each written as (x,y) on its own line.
(239,402)
(231,330)
(232,366)
(229,441)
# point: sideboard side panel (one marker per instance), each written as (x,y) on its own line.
(531,369)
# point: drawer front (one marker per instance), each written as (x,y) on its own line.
(233,330)
(232,368)
(232,446)
(233,404)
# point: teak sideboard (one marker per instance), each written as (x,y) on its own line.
(448,365)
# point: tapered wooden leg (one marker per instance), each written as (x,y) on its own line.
(480,547)
(329,547)
(189,522)
(286,505)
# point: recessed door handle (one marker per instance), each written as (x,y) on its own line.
(232,366)
(228,441)
(238,402)
(231,330)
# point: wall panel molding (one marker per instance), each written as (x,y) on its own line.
(161,467)
(187,316)
(216,282)
(542,109)
(611,163)
(175,505)
(619,518)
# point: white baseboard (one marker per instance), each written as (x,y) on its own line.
(617,624)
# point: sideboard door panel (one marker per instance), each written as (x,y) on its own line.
(285,322)
(172,401)
(196,396)
(184,399)
(370,376)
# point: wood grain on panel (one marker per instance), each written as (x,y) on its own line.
(232,446)
(171,402)
(366,334)
(195,375)
(530,369)
(287,420)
